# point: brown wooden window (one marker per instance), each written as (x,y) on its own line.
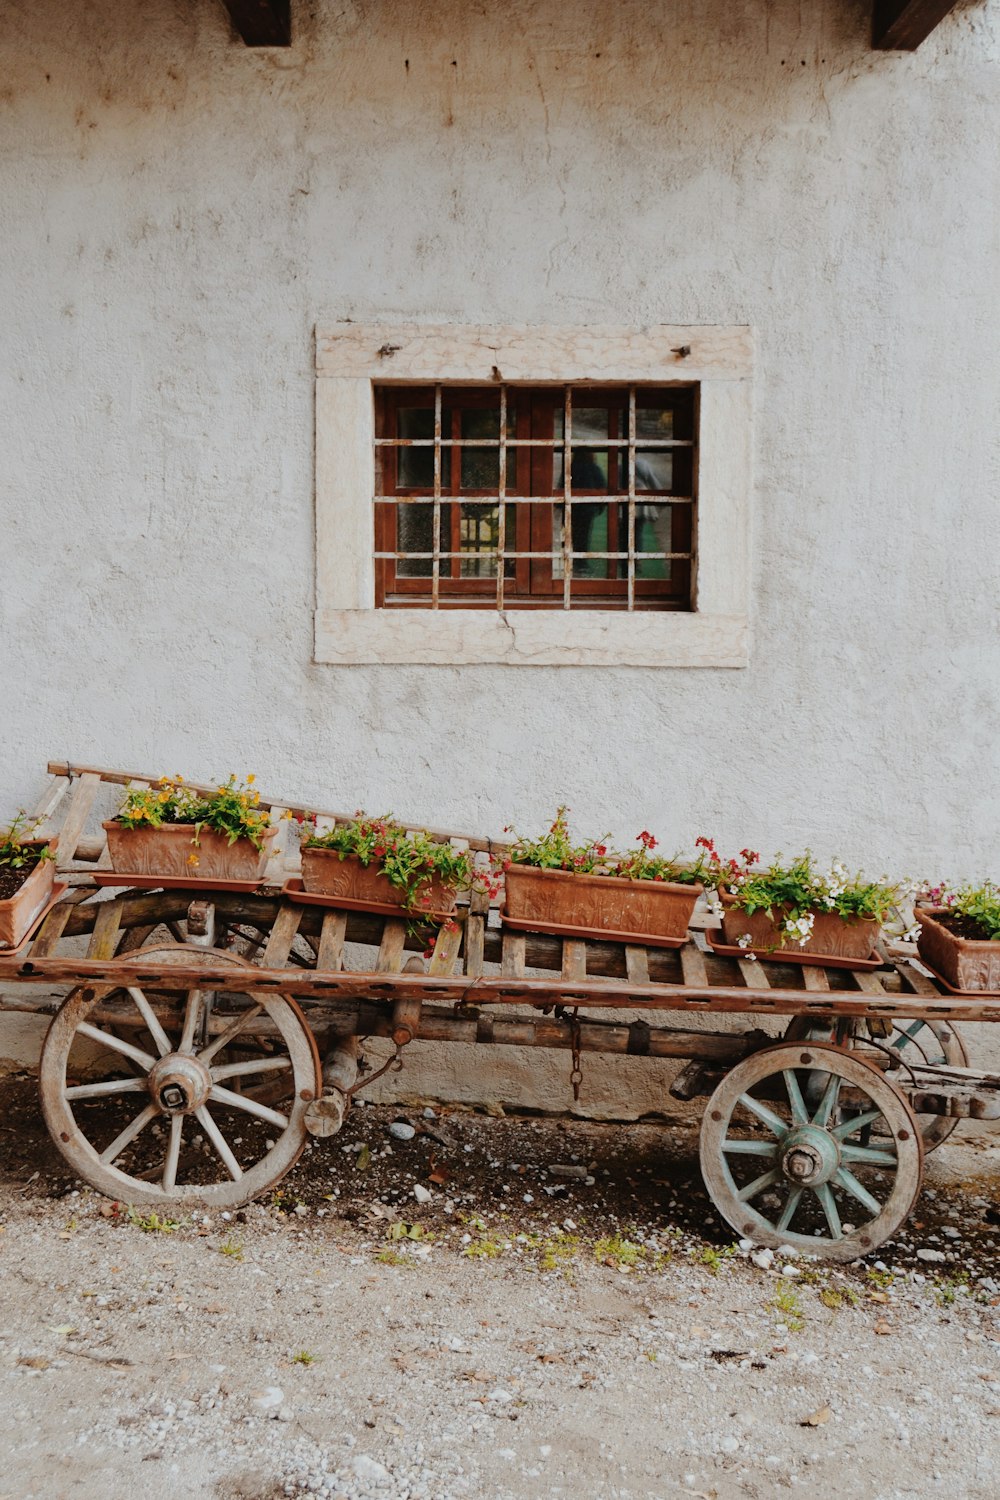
(478,506)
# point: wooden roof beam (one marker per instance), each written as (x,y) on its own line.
(262,23)
(901,25)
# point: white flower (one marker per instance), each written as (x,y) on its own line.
(744,940)
(799,929)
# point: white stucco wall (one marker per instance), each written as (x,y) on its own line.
(178,213)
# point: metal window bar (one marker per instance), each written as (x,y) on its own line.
(626,496)
(436,523)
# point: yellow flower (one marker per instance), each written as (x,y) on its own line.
(251,779)
(287,814)
(178,777)
(164,796)
(164,779)
(193,859)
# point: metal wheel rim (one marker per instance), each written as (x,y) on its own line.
(85,1159)
(886,1098)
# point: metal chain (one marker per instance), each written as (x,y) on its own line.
(576,1076)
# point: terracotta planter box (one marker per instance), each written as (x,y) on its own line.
(19,911)
(364,887)
(964,963)
(164,851)
(599,906)
(833,936)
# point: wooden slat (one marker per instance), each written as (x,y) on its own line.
(279,944)
(867,982)
(574,964)
(753,974)
(901,25)
(814,979)
(915,981)
(79,810)
(392,947)
(107,926)
(475,933)
(636,964)
(51,930)
(446,946)
(693,965)
(55,790)
(512,956)
(330,955)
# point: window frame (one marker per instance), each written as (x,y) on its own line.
(352,359)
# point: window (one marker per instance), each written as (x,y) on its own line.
(452,529)
(467,480)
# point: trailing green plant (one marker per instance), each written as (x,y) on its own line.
(796,892)
(411,862)
(233,809)
(555,850)
(17,852)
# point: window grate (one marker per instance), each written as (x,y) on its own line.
(525,497)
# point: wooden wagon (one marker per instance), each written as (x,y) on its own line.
(207,1032)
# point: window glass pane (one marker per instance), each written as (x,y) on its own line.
(481,466)
(654,469)
(591,533)
(589,470)
(654,422)
(653,526)
(479,536)
(415,468)
(415,533)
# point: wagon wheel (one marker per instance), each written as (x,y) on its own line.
(786,1158)
(925,1042)
(202,1133)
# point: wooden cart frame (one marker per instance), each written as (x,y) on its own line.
(251,1008)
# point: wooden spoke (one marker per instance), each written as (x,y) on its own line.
(851,1127)
(255,1065)
(169,1177)
(788,1212)
(117,1044)
(825,1195)
(250,1105)
(828,1104)
(220,1143)
(194,1012)
(236,1027)
(795,1100)
(766,1180)
(868,1154)
(848,1180)
(773,1122)
(750,1147)
(107,1088)
(153,1026)
(146,1117)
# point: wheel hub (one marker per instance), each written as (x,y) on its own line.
(179,1084)
(809,1156)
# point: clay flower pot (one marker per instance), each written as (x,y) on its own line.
(965,963)
(833,936)
(365,888)
(655,912)
(18,912)
(166,852)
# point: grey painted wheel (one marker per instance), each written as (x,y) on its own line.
(188,1116)
(809,1145)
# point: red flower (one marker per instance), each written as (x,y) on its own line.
(750,855)
(647,840)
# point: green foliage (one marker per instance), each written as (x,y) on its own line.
(403,1231)
(712,1258)
(389,1257)
(555,850)
(980,905)
(232,1248)
(786,1304)
(410,862)
(799,887)
(17,852)
(151,1223)
(232,809)
(303,1358)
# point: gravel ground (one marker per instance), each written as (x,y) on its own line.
(562,1315)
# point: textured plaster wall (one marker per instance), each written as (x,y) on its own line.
(176,215)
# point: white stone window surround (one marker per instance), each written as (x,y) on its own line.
(352,358)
